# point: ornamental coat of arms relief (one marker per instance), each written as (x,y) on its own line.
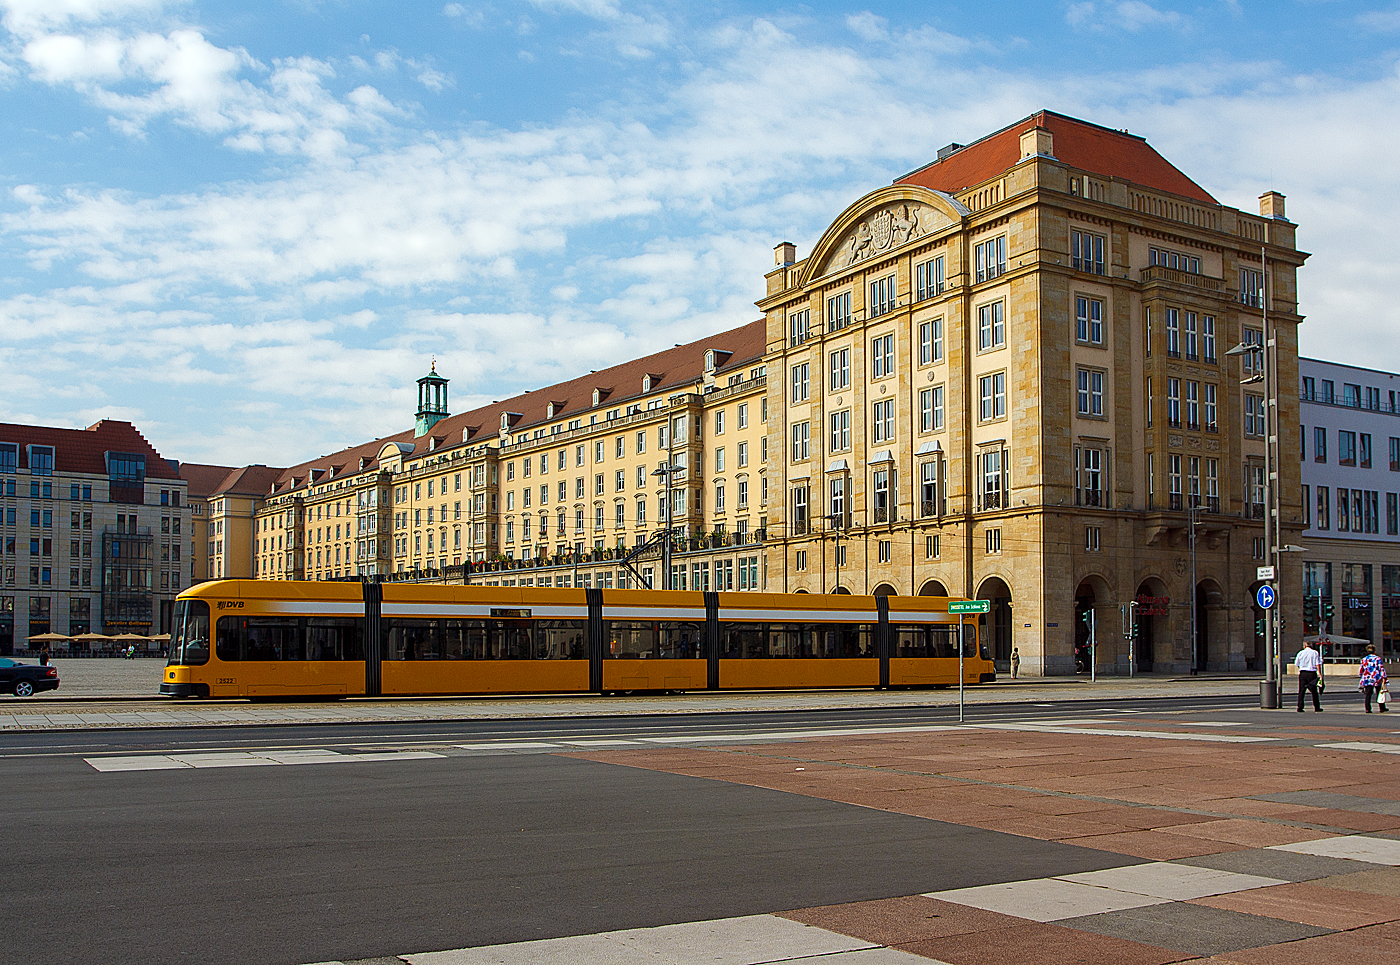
(882,231)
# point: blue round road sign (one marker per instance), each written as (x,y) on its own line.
(1265,597)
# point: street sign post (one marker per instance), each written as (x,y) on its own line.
(965,606)
(1264,573)
(1265,597)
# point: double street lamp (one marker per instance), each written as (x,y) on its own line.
(835,521)
(666,470)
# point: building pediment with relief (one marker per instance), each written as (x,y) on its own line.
(881,222)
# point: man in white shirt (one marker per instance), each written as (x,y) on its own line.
(1309,664)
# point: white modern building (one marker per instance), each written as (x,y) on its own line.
(1350,503)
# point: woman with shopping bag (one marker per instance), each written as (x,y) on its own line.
(1373,680)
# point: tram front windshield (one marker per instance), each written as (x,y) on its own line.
(189,640)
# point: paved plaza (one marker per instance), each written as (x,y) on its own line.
(1257,838)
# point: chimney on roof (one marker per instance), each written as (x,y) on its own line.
(949,149)
(1037,142)
(1271,205)
(785,254)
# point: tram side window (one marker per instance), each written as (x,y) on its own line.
(331,638)
(847,640)
(561,639)
(651,639)
(743,640)
(927,641)
(261,638)
(189,644)
(790,640)
(460,639)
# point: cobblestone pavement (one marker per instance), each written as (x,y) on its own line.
(1256,838)
(86,682)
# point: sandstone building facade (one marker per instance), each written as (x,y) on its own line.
(1002,376)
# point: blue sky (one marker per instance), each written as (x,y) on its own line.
(248,227)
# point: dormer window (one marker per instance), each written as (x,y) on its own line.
(710,360)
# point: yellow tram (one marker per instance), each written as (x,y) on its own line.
(262,639)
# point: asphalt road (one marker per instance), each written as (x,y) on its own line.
(355,860)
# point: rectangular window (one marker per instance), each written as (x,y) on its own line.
(1208,339)
(882,297)
(928,279)
(1193,405)
(1346,448)
(1394,454)
(994,464)
(1392,514)
(1089,477)
(840,376)
(882,421)
(1364,452)
(928,489)
(1188,335)
(1089,325)
(1208,404)
(1324,509)
(801,383)
(993,393)
(880,493)
(743,424)
(884,548)
(930,341)
(743,460)
(836,490)
(1320,445)
(1174,403)
(926,410)
(801,441)
(841,430)
(1253,358)
(799,511)
(1174,480)
(990,258)
(838,312)
(798,327)
(1343,510)
(1091,393)
(1086,252)
(1307,507)
(991,325)
(882,356)
(993,540)
(1093,536)
(1147,332)
(1173,333)
(1252,287)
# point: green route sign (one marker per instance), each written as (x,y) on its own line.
(970,606)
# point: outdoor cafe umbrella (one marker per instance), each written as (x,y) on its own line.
(130,638)
(47,638)
(91,638)
(160,638)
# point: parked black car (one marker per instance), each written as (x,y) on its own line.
(26,679)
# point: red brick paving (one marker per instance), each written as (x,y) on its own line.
(1151,799)
(1311,904)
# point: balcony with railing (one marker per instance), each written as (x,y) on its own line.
(1156,274)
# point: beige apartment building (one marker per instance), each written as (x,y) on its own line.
(564,486)
(1003,376)
(224,500)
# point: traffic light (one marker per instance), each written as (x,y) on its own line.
(1258,626)
(1327,610)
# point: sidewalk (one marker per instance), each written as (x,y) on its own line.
(95,711)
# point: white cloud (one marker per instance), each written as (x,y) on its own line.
(525,256)
(1131,15)
(868,26)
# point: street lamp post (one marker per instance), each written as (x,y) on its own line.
(666,471)
(1195,657)
(834,520)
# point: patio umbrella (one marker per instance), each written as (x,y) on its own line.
(130,638)
(90,638)
(47,638)
(160,638)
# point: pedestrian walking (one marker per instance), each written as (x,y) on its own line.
(1309,664)
(44,656)
(1373,677)
(1015,662)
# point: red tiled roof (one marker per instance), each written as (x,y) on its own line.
(82,450)
(202,479)
(205,480)
(673,368)
(1099,150)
